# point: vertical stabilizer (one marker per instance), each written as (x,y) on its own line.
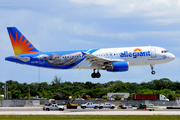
(20,43)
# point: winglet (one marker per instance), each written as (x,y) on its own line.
(83,53)
(20,43)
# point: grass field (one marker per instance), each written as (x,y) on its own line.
(89,117)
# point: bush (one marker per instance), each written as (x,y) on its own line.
(117,97)
(1,98)
(104,97)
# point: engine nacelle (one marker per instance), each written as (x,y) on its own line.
(119,66)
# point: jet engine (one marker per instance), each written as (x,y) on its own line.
(118,66)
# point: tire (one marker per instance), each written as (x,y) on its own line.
(100,107)
(95,107)
(93,75)
(98,75)
(112,107)
(61,109)
(84,107)
(47,109)
(153,72)
(67,107)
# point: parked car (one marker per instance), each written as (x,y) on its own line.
(107,105)
(78,99)
(122,106)
(89,105)
(53,107)
(150,104)
(98,99)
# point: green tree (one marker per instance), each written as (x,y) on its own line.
(117,97)
(16,94)
(104,97)
(145,91)
(59,96)
(1,98)
(89,85)
(56,83)
(130,96)
(163,83)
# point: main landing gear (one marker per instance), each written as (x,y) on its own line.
(96,75)
(152,67)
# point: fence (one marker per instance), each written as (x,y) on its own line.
(40,103)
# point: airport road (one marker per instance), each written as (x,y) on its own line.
(39,111)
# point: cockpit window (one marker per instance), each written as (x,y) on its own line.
(164,51)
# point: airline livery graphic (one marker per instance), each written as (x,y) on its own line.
(137,50)
(109,59)
(20,44)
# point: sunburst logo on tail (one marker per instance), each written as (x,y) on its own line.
(20,44)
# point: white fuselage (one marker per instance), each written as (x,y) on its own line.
(136,56)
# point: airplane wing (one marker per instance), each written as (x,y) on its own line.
(100,61)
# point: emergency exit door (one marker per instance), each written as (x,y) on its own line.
(153,53)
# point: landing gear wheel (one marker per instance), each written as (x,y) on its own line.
(93,75)
(153,72)
(98,75)
(152,67)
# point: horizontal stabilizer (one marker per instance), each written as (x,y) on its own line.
(24,59)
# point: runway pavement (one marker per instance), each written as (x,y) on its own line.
(39,111)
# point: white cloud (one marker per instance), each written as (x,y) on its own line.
(165,21)
(126,8)
(5,46)
(81,41)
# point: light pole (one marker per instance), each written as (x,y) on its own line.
(7,90)
(29,91)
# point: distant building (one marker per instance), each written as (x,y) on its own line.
(124,95)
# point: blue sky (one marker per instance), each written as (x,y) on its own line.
(60,25)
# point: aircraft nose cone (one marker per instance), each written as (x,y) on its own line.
(172,57)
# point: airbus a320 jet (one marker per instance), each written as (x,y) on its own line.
(109,59)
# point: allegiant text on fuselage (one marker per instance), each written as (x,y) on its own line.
(135,54)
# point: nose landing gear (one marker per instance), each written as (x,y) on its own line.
(152,67)
(96,75)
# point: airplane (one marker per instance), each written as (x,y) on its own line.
(109,59)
